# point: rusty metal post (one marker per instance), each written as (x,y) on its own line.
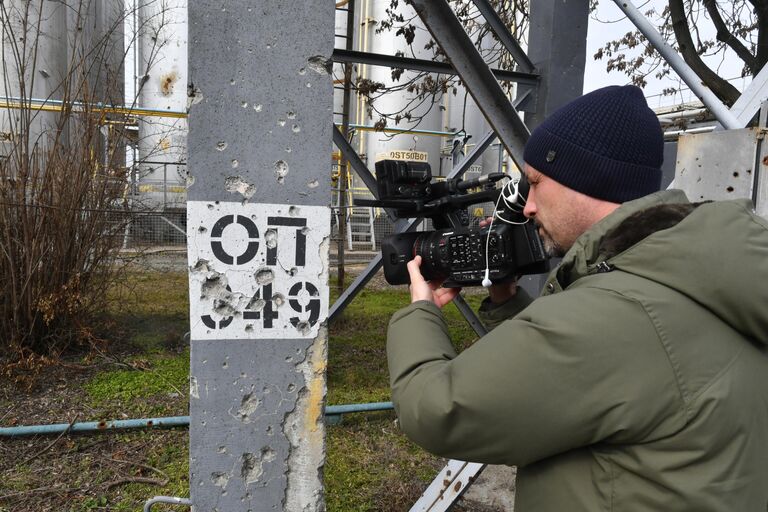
(258,230)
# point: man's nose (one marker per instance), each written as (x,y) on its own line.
(530,205)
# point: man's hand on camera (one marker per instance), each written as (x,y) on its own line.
(499,293)
(431,291)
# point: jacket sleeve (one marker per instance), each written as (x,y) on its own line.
(493,314)
(575,368)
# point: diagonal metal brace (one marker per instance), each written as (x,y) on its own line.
(402,226)
(359,166)
(524,64)
(447,31)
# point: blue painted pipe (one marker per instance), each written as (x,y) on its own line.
(94,426)
(174,421)
(333,410)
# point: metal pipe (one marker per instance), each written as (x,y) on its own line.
(674,135)
(429,66)
(94,426)
(172,500)
(344,409)
(364,128)
(503,35)
(752,98)
(670,119)
(57,106)
(720,111)
(169,422)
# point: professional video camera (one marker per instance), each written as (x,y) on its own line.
(463,256)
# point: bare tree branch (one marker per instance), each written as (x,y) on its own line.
(761,11)
(727,37)
(725,91)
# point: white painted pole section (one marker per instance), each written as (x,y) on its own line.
(750,100)
(720,111)
(448,486)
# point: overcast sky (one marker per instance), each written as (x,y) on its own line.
(612,25)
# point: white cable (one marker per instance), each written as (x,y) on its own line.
(487,281)
(511,203)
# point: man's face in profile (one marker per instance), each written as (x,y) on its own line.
(560,213)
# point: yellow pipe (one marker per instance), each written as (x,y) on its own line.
(101,110)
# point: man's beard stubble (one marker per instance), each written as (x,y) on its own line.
(551,247)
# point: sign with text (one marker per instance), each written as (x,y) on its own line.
(257,270)
(410,156)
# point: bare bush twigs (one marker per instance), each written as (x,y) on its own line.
(62,180)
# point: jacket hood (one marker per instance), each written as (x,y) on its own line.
(716,253)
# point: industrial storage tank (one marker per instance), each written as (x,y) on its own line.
(373,144)
(42,80)
(451,119)
(161,71)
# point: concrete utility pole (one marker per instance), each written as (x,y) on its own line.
(258,233)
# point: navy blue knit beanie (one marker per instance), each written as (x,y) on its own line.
(606,144)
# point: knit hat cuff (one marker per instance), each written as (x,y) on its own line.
(588,172)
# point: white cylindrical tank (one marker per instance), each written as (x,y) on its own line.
(386,42)
(162,86)
(45,68)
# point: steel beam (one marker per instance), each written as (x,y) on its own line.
(354,159)
(443,68)
(688,75)
(504,36)
(449,485)
(470,316)
(557,46)
(448,32)
(752,98)
(522,60)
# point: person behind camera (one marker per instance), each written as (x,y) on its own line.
(638,380)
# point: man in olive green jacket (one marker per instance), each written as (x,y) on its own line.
(638,381)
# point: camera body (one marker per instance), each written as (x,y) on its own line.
(458,255)
(454,252)
(397,179)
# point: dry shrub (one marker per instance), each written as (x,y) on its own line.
(62,186)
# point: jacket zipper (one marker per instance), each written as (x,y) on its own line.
(603,267)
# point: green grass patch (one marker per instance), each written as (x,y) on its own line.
(370,464)
(157,374)
(172,459)
(151,311)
